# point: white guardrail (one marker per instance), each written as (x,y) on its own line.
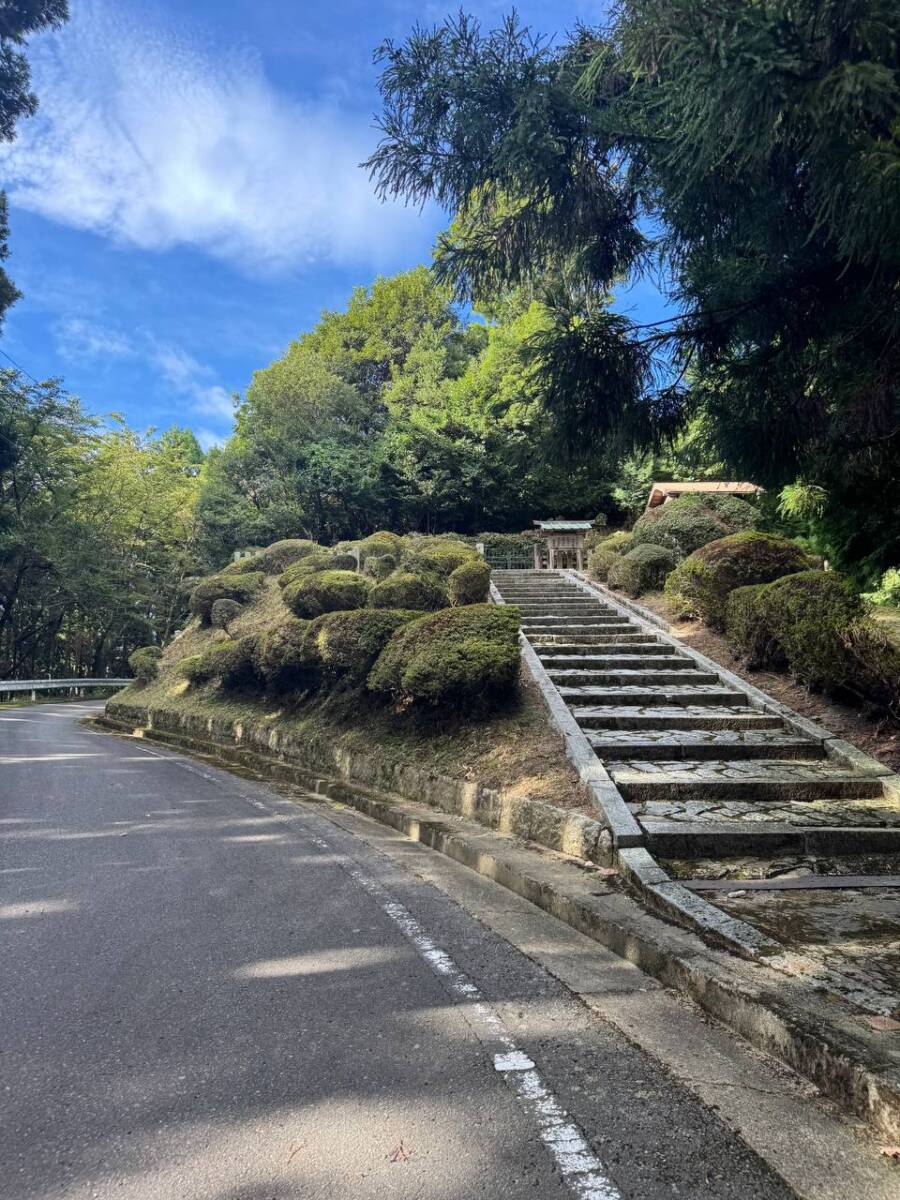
(9,687)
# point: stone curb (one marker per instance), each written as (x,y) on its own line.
(843,1060)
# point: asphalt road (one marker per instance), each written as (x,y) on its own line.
(211,991)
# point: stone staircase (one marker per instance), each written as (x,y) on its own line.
(704,770)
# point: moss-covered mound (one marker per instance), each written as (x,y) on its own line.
(604,553)
(326,591)
(643,569)
(345,645)
(700,585)
(689,522)
(223,587)
(409,590)
(464,659)
(470,583)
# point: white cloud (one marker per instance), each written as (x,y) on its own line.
(207,439)
(81,340)
(193,380)
(159,144)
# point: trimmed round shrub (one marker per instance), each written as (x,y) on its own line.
(382,542)
(326,591)
(689,522)
(438,556)
(223,587)
(284,658)
(747,630)
(379,566)
(809,616)
(470,583)
(605,552)
(643,569)
(232,661)
(700,585)
(403,589)
(321,560)
(275,558)
(144,663)
(814,625)
(223,612)
(345,645)
(342,562)
(465,659)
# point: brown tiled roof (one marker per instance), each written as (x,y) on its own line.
(661,489)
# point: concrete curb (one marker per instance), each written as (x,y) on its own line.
(779,1016)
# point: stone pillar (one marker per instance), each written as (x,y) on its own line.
(536,554)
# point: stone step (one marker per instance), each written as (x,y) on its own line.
(632,661)
(768,839)
(566,610)
(761,781)
(644,696)
(636,643)
(621,677)
(700,744)
(595,624)
(595,617)
(664,718)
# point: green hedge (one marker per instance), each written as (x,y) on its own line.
(284,658)
(345,645)
(700,585)
(406,590)
(326,591)
(689,522)
(144,663)
(470,583)
(223,587)
(462,659)
(643,569)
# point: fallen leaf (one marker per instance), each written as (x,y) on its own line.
(296,1149)
(891,1152)
(399,1154)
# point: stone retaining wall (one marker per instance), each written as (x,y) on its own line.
(570,833)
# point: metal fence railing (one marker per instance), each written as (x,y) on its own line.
(16,687)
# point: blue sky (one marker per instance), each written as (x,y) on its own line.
(188,197)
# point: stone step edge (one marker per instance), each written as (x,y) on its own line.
(842,1060)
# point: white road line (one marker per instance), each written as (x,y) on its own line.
(581,1169)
